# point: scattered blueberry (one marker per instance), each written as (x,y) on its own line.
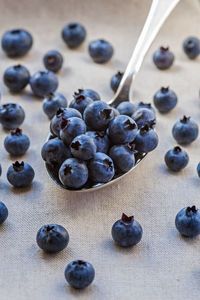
(70,128)
(73,173)
(74,34)
(163,58)
(80,102)
(185,131)
(146,139)
(100,139)
(52,103)
(3,212)
(144,116)
(98,115)
(122,130)
(62,113)
(43,83)
(188,221)
(100,51)
(198,169)
(123,157)
(16,42)
(16,78)
(54,152)
(16,143)
(83,147)
(52,238)
(11,115)
(176,159)
(101,168)
(53,60)
(191,47)
(127,232)
(20,174)
(115,81)
(165,100)
(89,93)
(126,108)
(79,274)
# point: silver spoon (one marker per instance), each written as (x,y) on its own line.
(159,11)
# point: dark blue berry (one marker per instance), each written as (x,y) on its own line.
(146,139)
(126,108)
(122,130)
(74,34)
(52,238)
(100,51)
(144,116)
(123,157)
(188,221)
(83,147)
(127,232)
(89,93)
(16,78)
(115,81)
(73,173)
(70,128)
(100,139)
(52,103)
(191,47)
(20,174)
(80,102)
(165,100)
(16,143)
(54,152)
(176,159)
(53,60)
(198,169)
(11,115)
(3,212)
(185,131)
(43,83)
(163,58)
(16,42)
(101,168)
(79,274)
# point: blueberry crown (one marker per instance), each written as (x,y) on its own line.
(67,170)
(129,125)
(105,113)
(185,119)
(17,132)
(100,134)
(79,92)
(76,145)
(119,74)
(164,49)
(18,166)
(59,112)
(191,209)
(108,163)
(63,123)
(51,96)
(79,98)
(142,104)
(131,147)
(164,89)
(177,149)
(127,219)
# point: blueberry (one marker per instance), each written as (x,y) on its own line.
(43,83)
(12,115)
(123,157)
(101,168)
(79,274)
(122,130)
(127,232)
(3,212)
(163,58)
(54,152)
(16,42)
(89,93)
(176,159)
(52,238)
(73,173)
(126,108)
(74,34)
(16,143)
(98,115)
(144,116)
(188,221)
(100,139)
(53,60)
(16,78)
(70,128)
(20,174)
(83,147)
(191,47)
(52,103)
(165,100)
(80,102)
(145,105)
(146,139)
(100,51)
(198,169)
(185,131)
(115,81)
(62,113)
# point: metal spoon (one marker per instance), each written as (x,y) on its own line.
(159,11)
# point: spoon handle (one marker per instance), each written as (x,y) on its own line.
(159,11)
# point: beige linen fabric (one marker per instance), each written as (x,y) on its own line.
(163,266)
